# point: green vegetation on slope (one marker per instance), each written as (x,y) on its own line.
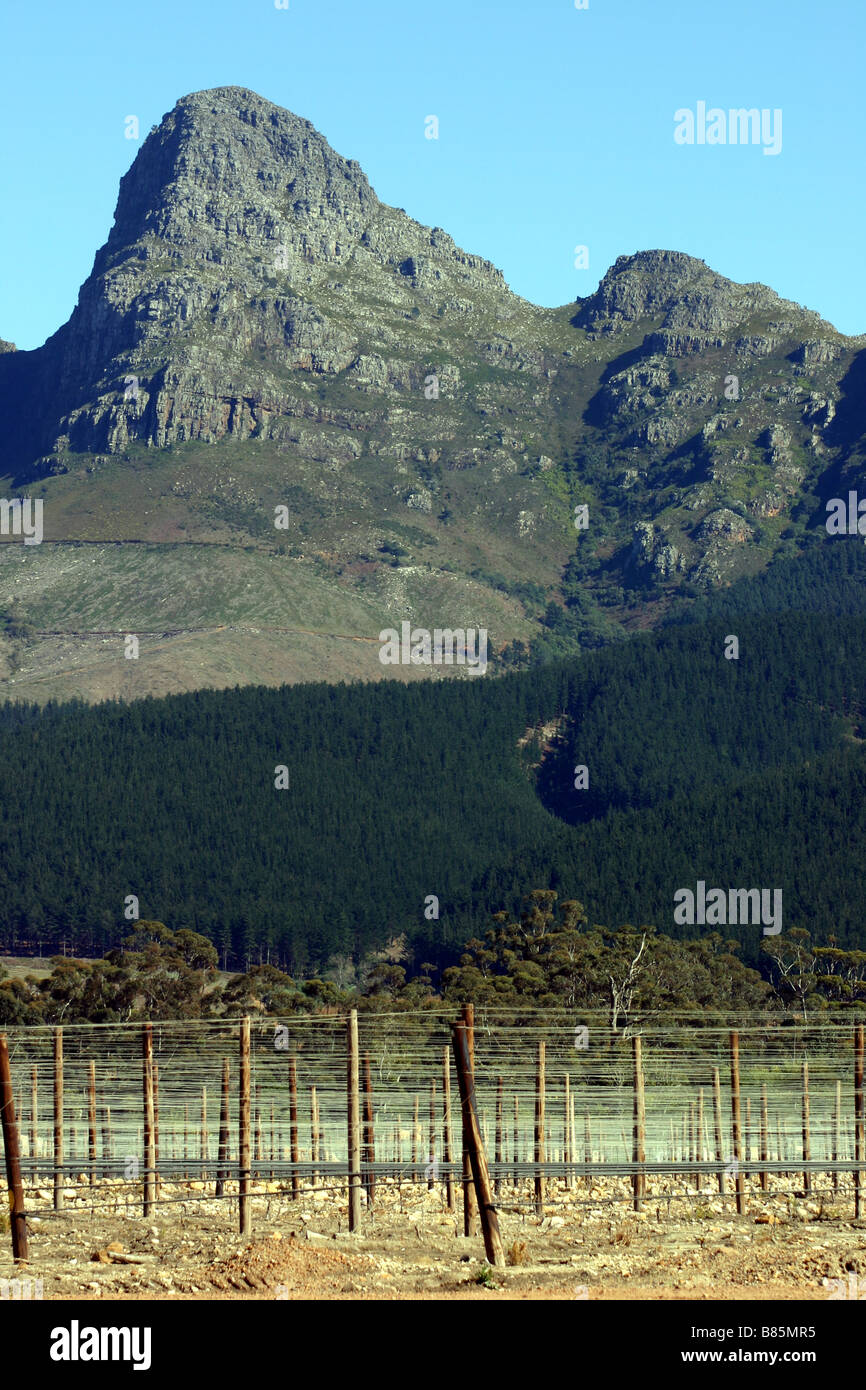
(746,773)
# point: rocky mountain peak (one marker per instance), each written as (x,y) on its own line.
(428,430)
(231,179)
(679,293)
(225,170)
(242,246)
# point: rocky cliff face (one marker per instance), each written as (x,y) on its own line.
(246,258)
(254,295)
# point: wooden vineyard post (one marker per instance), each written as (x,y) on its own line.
(223,1144)
(368,1151)
(257,1130)
(106,1138)
(58,1119)
(244,1106)
(91,1121)
(431,1133)
(477,1157)
(717,1108)
(354,1128)
(735,1122)
(293,1129)
(765,1181)
(156,1124)
(447,1144)
(639,1179)
(470,1204)
(700,1132)
(149,1153)
(587,1148)
(9,1126)
(314,1135)
(416,1138)
(566,1131)
(497,1155)
(572,1141)
(859,1120)
(807,1151)
(34,1124)
(203,1154)
(540,1147)
(837,1129)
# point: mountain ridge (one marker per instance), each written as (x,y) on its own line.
(189,203)
(259,330)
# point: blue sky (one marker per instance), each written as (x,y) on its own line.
(555,129)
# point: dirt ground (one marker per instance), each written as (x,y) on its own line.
(685,1244)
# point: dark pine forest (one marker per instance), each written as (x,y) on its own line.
(743,773)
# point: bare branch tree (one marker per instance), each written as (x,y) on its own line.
(622,993)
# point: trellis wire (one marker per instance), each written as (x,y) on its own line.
(405,1055)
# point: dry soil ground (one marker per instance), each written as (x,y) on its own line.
(589,1245)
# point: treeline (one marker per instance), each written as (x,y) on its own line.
(549,958)
(421,809)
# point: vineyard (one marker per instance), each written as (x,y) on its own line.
(492,1126)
